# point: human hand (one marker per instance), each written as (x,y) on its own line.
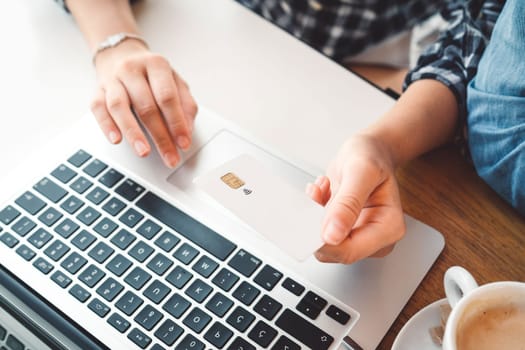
(364,215)
(132,78)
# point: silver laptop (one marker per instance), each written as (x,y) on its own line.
(99,249)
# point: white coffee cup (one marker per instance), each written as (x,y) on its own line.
(490,314)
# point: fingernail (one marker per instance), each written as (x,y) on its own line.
(113,137)
(140,148)
(333,232)
(319,180)
(171,159)
(183,142)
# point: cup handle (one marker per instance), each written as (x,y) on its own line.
(458,282)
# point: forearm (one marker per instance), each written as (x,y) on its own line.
(424,117)
(97,19)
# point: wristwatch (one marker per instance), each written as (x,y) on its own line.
(115,40)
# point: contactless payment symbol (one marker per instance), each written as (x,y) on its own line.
(232,180)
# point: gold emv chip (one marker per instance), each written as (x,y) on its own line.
(232,180)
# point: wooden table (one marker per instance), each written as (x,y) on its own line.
(482,232)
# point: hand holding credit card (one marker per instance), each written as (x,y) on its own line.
(270,206)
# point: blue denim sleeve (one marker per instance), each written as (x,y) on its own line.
(496,108)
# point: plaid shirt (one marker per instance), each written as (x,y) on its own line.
(342,28)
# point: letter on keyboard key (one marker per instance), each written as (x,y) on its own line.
(139,338)
(262,334)
(218,335)
(128,303)
(31,203)
(168,332)
(240,344)
(119,322)
(50,190)
(304,331)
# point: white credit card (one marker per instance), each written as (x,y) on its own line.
(284,215)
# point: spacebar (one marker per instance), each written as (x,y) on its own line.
(304,331)
(185,225)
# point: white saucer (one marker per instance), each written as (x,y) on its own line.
(415,333)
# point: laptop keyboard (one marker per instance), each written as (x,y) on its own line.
(152,272)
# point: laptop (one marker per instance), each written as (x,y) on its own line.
(100,249)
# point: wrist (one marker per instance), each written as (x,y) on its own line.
(113,55)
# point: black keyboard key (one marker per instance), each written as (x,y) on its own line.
(39,238)
(88,216)
(114,206)
(157,347)
(225,279)
(131,218)
(110,178)
(159,264)
(246,293)
(178,277)
(190,343)
(63,173)
(105,227)
(28,201)
(91,276)
(83,240)
(8,239)
(267,307)
(50,190)
(263,334)
(95,167)
(79,158)
(23,226)
(188,227)
(97,195)
(8,214)
(156,291)
(66,228)
(197,320)
(101,252)
(218,335)
(315,300)
(110,289)
(81,185)
(73,263)
(123,239)
(219,304)
(56,250)
(119,265)
(284,343)
(25,252)
(72,204)
(304,331)
(311,305)
(129,189)
(140,251)
(129,303)
(245,263)
(240,344)
(337,314)
(98,307)
(13,343)
(50,216)
(3,333)
(168,332)
(205,266)
(240,319)
(167,241)
(139,338)
(79,293)
(198,290)
(176,305)
(148,229)
(186,253)
(148,317)
(137,278)
(118,322)
(268,277)
(61,279)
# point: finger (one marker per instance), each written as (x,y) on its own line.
(314,193)
(103,118)
(372,239)
(117,103)
(166,95)
(189,105)
(147,111)
(346,204)
(323,182)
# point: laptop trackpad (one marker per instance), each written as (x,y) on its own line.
(225,146)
